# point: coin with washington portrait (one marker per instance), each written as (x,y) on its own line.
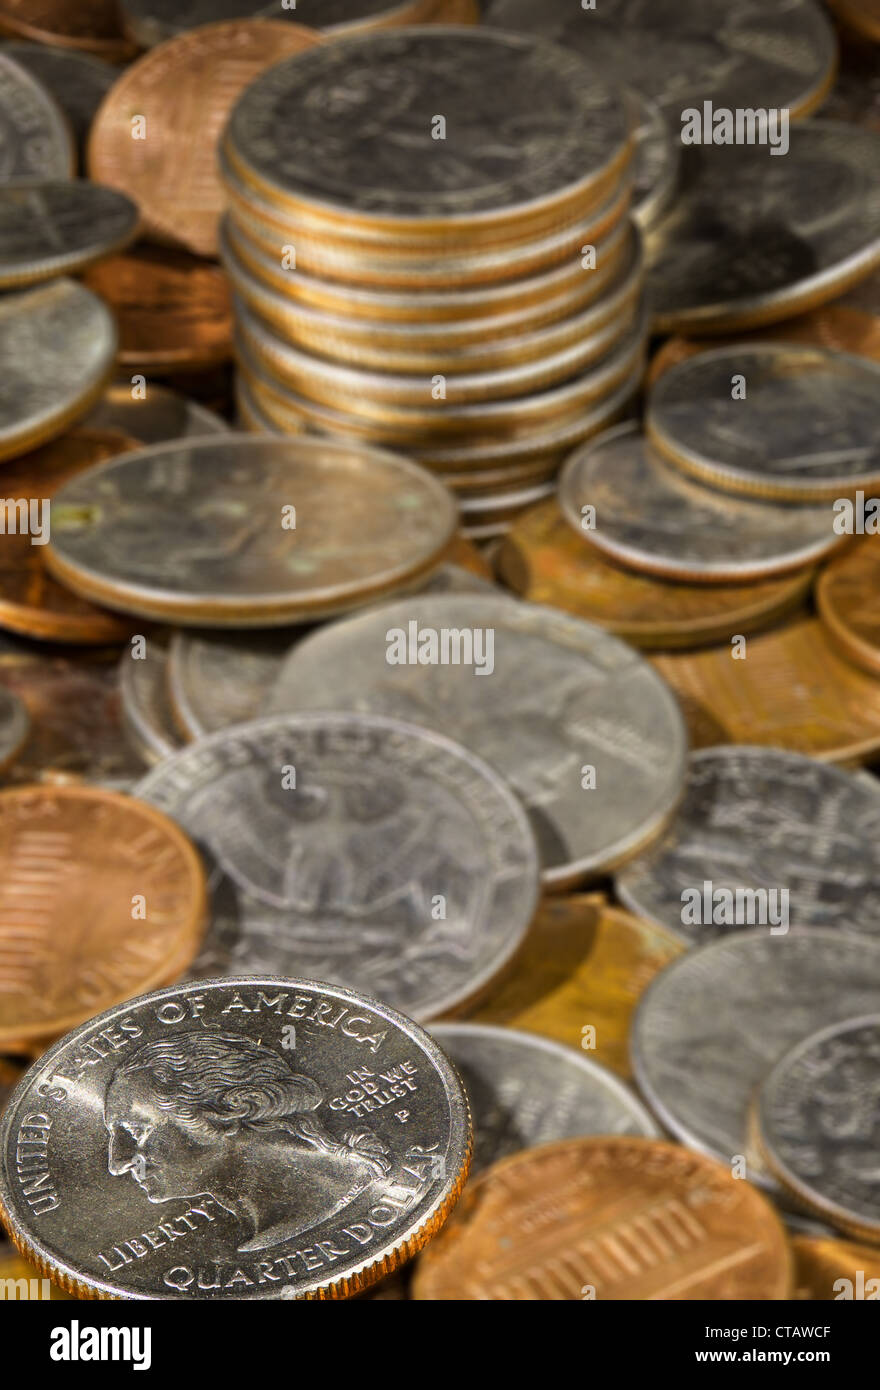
(243,1138)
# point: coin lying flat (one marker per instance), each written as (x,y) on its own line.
(51,229)
(649,517)
(792,690)
(57,344)
(816,1113)
(525,1090)
(78,82)
(738,1005)
(557,695)
(848,599)
(863,16)
(238,531)
(608,1218)
(35,141)
(749,243)
(748,821)
(830,1268)
(544,561)
(218,679)
(146,703)
(246,1138)
(153,415)
(73,857)
(184,90)
(806,428)
(91,26)
(15,726)
(340,133)
(362,850)
(680,52)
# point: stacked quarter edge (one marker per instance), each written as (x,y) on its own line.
(453,274)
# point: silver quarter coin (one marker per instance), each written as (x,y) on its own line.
(234,1139)
(525,1090)
(818,1113)
(650,517)
(355,849)
(217,679)
(712,1024)
(78,82)
(578,723)
(50,229)
(778,828)
(146,706)
(35,140)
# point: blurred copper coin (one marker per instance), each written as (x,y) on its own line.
(31,602)
(848,599)
(792,690)
(829,1269)
(184,91)
(616,1218)
(89,26)
(101,898)
(173,311)
(863,16)
(544,561)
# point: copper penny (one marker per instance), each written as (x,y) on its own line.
(848,599)
(101,898)
(608,1218)
(791,690)
(579,976)
(544,561)
(173,311)
(31,601)
(828,1269)
(89,26)
(184,90)
(862,16)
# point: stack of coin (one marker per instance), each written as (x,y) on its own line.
(429,240)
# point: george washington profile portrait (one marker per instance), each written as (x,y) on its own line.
(222,1114)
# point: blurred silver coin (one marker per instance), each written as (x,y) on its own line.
(652,518)
(525,1090)
(541,696)
(35,140)
(217,679)
(57,349)
(146,707)
(807,427)
(155,416)
(711,1025)
(818,1114)
(15,725)
(234,1139)
(78,81)
(354,849)
(680,52)
(51,229)
(749,241)
(765,822)
(152,21)
(656,163)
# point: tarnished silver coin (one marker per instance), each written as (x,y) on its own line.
(153,415)
(806,424)
(578,723)
(712,1024)
(146,706)
(15,725)
(681,52)
(233,1139)
(650,517)
(236,531)
(78,81)
(57,349)
(50,229)
(818,1114)
(35,141)
(793,835)
(526,1090)
(217,679)
(343,132)
(355,849)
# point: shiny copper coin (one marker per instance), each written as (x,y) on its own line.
(829,1269)
(31,602)
(544,561)
(608,1218)
(89,26)
(101,898)
(173,311)
(848,599)
(184,90)
(579,976)
(792,690)
(862,16)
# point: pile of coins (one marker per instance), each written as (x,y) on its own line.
(464,287)
(438,845)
